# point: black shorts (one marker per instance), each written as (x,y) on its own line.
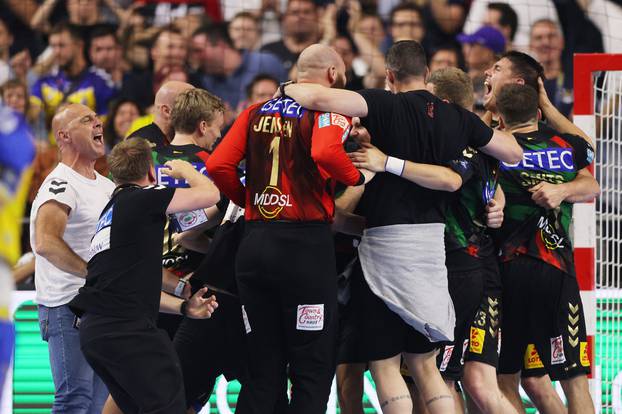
(372,332)
(137,363)
(210,347)
(476,295)
(543,329)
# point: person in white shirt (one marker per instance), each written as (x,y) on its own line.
(63,220)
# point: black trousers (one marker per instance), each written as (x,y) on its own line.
(210,347)
(288,290)
(136,361)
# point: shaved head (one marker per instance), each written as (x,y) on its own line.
(164,102)
(321,64)
(168,92)
(79,134)
(65,114)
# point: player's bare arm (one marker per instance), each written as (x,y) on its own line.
(49,229)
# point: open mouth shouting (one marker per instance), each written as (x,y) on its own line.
(99,138)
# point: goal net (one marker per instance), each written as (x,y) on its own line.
(598,230)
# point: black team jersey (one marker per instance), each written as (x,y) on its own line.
(419,127)
(125,272)
(293,157)
(466,240)
(527,228)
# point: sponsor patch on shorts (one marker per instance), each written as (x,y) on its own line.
(465,344)
(532,358)
(557,350)
(449,349)
(324,120)
(476,340)
(310,317)
(247,325)
(585,359)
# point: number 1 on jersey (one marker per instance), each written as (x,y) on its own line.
(274,149)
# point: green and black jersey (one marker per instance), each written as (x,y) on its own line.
(465,225)
(527,228)
(175,257)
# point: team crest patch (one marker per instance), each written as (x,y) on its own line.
(310,317)
(557,350)
(339,120)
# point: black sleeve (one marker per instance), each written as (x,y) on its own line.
(480,134)
(153,200)
(379,113)
(583,152)
(466,165)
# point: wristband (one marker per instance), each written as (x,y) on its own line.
(183,308)
(282,87)
(394,166)
(179,289)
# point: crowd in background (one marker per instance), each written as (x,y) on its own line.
(112,55)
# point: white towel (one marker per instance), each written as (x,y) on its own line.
(404,265)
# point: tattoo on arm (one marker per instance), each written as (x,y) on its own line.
(438,397)
(393,399)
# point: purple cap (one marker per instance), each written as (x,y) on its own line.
(486,36)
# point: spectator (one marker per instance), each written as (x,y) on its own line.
(480,49)
(546,43)
(198,43)
(189,23)
(364,60)
(407,23)
(71,81)
(168,50)
(606,16)
(166,11)
(444,57)
(14,94)
(105,53)
(6,40)
(344,46)
(261,89)
(502,17)
(244,31)
(528,11)
(122,113)
(300,29)
(84,14)
(228,71)
(370,26)
(444,20)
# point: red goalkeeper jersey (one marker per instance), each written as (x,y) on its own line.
(293,157)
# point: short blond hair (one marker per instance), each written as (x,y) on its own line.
(130,160)
(453,85)
(193,106)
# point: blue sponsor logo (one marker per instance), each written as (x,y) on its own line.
(590,155)
(287,107)
(548,159)
(167,181)
(324,120)
(105,220)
